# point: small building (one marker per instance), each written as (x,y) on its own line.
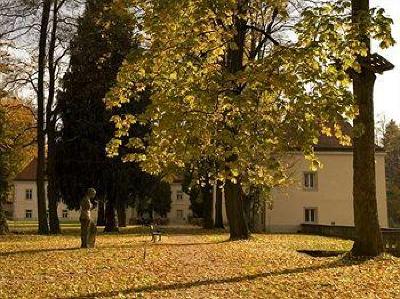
(23,201)
(180,205)
(324,196)
(23,205)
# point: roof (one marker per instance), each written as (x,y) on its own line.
(325,144)
(28,173)
(331,143)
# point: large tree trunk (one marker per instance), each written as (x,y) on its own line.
(40,177)
(3,222)
(219,221)
(53,202)
(249,211)
(101,218)
(121,213)
(52,193)
(206,192)
(369,237)
(111,224)
(233,193)
(235,212)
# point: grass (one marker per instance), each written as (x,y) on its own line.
(189,263)
(29,227)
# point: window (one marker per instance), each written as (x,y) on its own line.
(28,194)
(28,214)
(310,180)
(310,215)
(65,214)
(179,214)
(179,195)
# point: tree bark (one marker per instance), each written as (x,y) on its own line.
(219,221)
(121,213)
(40,176)
(233,195)
(238,228)
(369,237)
(249,211)
(101,219)
(111,224)
(3,222)
(52,193)
(206,192)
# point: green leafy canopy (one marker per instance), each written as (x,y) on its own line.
(294,83)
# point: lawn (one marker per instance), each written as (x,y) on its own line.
(189,263)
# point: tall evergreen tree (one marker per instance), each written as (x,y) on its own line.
(102,42)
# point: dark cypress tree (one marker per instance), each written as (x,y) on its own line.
(103,40)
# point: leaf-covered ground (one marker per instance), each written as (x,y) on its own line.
(189,263)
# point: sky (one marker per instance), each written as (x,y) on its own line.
(387,86)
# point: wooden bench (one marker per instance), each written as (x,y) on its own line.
(391,240)
(155,234)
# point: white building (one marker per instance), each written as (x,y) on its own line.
(321,197)
(24,198)
(180,205)
(23,205)
(324,196)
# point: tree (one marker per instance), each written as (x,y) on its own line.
(369,237)
(17,138)
(219,220)
(17,124)
(3,181)
(190,187)
(197,183)
(391,143)
(161,199)
(97,51)
(227,86)
(44,46)
(41,135)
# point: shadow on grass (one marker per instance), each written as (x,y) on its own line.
(34,251)
(130,230)
(209,282)
(113,246)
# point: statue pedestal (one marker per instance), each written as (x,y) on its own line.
(92,234)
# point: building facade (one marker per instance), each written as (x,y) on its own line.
(324,196)
(23,203)
(180,205)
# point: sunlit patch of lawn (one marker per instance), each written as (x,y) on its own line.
(189,263)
